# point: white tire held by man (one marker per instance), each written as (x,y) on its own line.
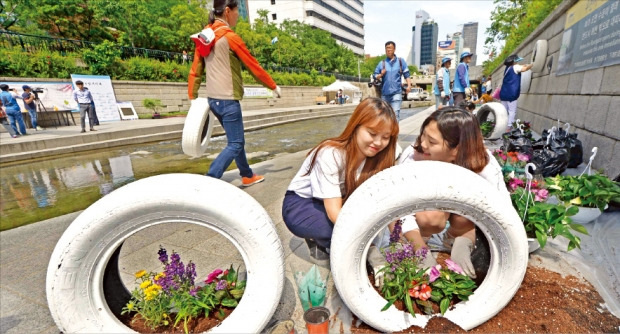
(75,284)
(500,115)
(198,128)
(427,185)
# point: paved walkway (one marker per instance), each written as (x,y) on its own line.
(25,252)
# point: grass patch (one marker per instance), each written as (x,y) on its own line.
(164,114)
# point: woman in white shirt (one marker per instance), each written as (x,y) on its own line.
(334,169)
(451,135)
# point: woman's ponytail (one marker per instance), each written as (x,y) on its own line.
(218,8)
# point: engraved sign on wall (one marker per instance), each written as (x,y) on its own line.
(591,37)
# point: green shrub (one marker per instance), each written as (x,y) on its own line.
(103,59)
(153,104)
(39,64)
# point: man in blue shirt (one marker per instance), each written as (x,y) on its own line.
(84,99)
(28,96)
(390,71)
(461,79)
(12,110)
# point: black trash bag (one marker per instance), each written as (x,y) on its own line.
(515,141)
(550,158)
(574,146)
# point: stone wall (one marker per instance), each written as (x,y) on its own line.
(173,95)
(588,100)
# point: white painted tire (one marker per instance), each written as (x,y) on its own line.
(427,185)
(197,128)
(539,56)
(501,118)
(75,283)
(526,81)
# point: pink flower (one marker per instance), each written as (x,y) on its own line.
(540,195)
(515,183)
(454,267)
(212,276)
(523,157)
(434,274)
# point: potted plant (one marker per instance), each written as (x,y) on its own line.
(430,290)
(592,193)
(162,300)
(486,128)
(154,105)
(543,220)
(511,162)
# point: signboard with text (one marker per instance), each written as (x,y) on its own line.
(100,87)
(257,93)
(591,37)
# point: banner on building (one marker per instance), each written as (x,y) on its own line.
(100,87)
(446,45)
(591,37)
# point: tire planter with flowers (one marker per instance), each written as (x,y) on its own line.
(501,118)
(421,186)
(81,278)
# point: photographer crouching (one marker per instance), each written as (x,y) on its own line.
(29,97)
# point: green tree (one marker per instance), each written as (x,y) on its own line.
(103,59)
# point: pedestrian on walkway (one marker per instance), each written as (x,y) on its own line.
(5,122)
(442,84)
(390,70)
(14,114)
(511,86)
(84,99)
(225,87)
(334,169)
(29,97)
(462,88)
(451,135)
(185,57)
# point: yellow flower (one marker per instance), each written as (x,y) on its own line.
(576,201)
(160,276)
(156,287)
(140,273)
(130,306)
(145,285)
(148,297)
(165,315)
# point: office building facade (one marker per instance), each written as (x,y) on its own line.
(344,19)
(470,39)
(244,10)
(416,37)
(428,41)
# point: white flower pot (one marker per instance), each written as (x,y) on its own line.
(586,215)
(532,244)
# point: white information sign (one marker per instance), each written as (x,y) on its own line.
(257,93)
(127,111)
(100,87)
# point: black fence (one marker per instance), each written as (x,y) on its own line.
(31,43)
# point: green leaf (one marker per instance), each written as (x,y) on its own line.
(237,293)
(572,210)
(542,239)
(579,228)
(443,305)
(409,305)
(387,306)
(229,302)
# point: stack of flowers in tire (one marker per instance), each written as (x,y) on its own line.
(512,163)
(420,288)
(166,298)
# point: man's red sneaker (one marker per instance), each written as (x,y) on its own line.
(248,181)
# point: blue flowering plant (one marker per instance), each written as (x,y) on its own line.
(422,288)
(172,295)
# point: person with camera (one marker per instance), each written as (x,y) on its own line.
(29,96)
(84,99)
(7,96)
(462,88)
(389,71)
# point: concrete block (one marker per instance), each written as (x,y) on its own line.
(540,86)
(605,150)
(592,81)
(576,110)
(558,26)
(557,84)
(557,102)
(596,114)
(575,81)
(614,165)
(585,137)
(545,123)
(612,124)
(553,44)
(611,77)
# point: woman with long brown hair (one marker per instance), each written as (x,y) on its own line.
(334,169)
(451,135)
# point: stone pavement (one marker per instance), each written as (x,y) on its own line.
(25,252)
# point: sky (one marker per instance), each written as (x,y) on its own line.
(392,20)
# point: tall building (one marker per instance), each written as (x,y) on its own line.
(457,37)
(343,19)
(428,41)
(243,9)
(416,36)
(470,39)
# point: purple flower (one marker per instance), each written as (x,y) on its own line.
(221,285)
(434,274)
(190,272)
(454,267)
(163,256)
(193,291)
(395,235)
(421,253)
(212,276)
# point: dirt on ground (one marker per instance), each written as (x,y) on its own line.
(546,302)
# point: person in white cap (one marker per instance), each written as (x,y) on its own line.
(461,79)
(511,86)
(442,84)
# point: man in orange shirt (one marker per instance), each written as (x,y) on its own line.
(225,87)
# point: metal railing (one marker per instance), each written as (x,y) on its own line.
(30,43)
